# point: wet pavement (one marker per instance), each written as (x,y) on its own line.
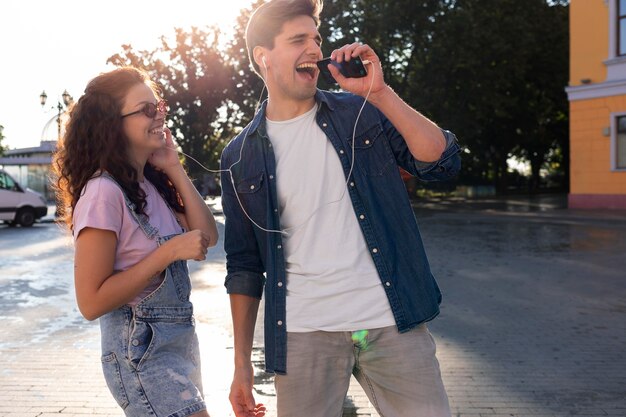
(534,314)
(533,321)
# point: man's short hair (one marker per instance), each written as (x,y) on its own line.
(267,21)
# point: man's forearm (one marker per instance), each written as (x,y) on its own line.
(423,137)
(244,312)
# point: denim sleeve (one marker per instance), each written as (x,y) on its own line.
(447,167)
(244,266)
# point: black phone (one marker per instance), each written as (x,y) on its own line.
(349,69)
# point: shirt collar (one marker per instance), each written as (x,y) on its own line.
(258,123)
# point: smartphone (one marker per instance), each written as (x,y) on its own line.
(349,69)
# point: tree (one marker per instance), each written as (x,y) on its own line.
(398,30)
(198,80)
(2,148)
(246,94)
(492,71)
(211,90)
(546,143)
(495,73)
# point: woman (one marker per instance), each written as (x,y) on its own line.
(136,219)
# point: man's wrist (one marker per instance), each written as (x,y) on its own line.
(380,97)
(243,363)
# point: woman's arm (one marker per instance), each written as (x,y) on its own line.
(99,290)
(197,215)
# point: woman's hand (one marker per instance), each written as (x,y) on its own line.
(190,245)
(197,214)
(166,158)
(99,289)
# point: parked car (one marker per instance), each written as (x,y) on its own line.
(19,205)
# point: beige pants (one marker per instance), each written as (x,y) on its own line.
(399,372)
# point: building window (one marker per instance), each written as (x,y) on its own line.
(621,27)
(619,144)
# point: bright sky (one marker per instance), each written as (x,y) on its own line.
(54,45)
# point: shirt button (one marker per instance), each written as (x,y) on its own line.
(324,124)
(280,284)
(352,184)
(271,177)
(367,141)
(341,151)
(361,217)
(375,250)
(252,187)
(275,210)
(279,246)
(135,342)
(388,284)
(280,322)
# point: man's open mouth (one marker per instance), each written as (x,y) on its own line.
(307,68)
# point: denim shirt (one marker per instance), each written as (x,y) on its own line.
(255,258)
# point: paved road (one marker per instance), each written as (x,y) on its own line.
(533,321)
(534,315)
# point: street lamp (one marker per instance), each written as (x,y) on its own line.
(67,101)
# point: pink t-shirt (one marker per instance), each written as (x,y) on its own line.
(102,206)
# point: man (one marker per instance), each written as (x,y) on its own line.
(348,287)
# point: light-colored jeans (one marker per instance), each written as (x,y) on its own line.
(399,372)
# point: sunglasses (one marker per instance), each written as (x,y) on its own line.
(150,110)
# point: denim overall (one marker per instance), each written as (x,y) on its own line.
(150,352)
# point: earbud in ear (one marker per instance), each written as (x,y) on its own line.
(263,60)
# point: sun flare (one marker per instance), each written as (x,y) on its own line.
(214,12)
(82,42)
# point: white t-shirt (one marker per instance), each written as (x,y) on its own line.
(332,283)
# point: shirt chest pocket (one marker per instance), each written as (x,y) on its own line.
(251,184)
(373,155)
(252,193)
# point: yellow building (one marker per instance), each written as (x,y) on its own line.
(597,97)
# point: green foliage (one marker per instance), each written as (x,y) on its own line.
(495,74)
(197,81)
(210,89)
(248,86)
(492,71)
(2,148)
(398,30)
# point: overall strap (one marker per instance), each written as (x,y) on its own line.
(144,223)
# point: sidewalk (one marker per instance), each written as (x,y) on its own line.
(50,355)
(533,321)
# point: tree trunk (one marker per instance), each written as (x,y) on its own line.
(535,177)
(501,179)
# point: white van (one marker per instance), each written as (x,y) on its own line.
(19,205)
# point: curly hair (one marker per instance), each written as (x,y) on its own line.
(95,142)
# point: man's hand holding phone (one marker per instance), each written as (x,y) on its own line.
(353,80)
(350,69)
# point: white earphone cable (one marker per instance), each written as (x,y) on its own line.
(232,180)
